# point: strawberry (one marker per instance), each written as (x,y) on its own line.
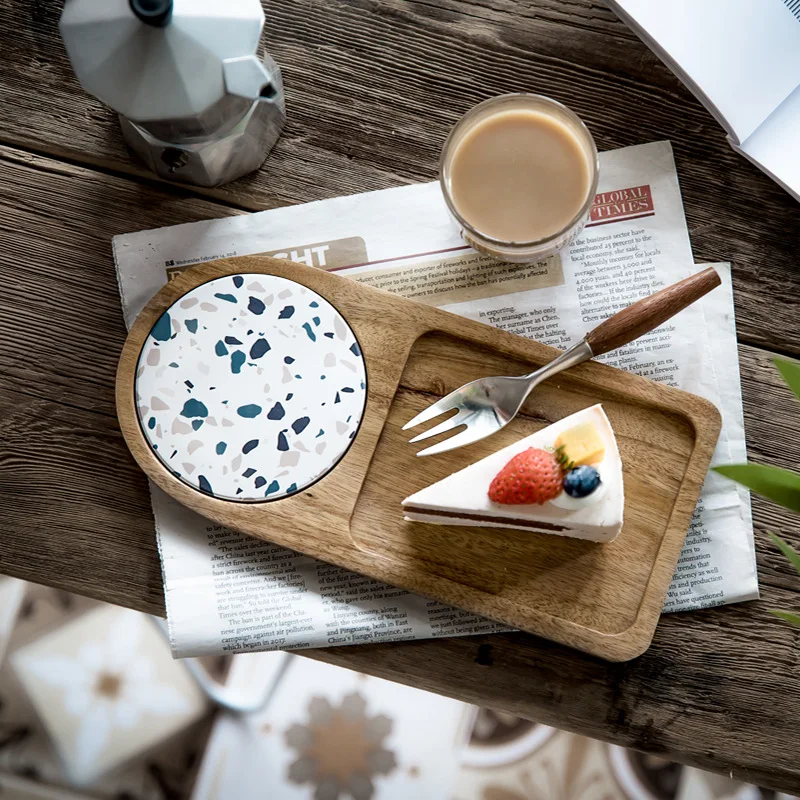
(532,476)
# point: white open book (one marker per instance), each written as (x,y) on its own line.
(741,58)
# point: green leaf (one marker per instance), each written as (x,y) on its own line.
(776,483)
(787,550)
(790,370)
(786,616)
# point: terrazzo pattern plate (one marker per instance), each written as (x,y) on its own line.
(250,387)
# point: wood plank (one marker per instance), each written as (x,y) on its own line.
(78,369)
(766,399)
(373,87)
(75,513)
(705,691)
(586,16)
(56,259)
(702,694)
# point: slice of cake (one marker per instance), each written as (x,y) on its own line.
(564,479)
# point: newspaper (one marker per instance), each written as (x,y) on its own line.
(402,240)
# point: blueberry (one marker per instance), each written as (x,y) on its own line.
(581,481)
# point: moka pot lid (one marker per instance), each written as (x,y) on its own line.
(154,60)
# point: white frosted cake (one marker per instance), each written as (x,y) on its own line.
(564,479)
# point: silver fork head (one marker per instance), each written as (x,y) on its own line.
(484,406)
(447,403)
(478,426)
(489,404)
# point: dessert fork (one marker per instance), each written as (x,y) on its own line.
(486,405)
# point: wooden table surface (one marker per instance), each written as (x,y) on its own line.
(373,86)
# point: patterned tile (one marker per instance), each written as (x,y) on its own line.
(511,759)
(329,733)
(323,733)
(106,689)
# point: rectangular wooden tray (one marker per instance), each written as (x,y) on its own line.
(604,599)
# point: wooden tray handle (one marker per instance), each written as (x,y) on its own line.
(649,312)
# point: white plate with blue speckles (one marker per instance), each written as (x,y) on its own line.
(250,387)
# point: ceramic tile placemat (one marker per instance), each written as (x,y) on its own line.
(106,689)
(331,733)
(325,717)
(30,765)
(512,759)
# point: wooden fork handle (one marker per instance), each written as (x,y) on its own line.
(649,312)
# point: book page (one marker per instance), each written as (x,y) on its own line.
(774,146)
(741,58)
(227,592)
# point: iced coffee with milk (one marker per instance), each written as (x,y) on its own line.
(519,174)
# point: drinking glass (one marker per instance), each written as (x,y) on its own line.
(522,252)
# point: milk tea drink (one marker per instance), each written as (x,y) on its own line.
(519,173)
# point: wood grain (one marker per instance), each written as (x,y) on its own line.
(352,518)
(373,87)
(642,316)
(65,236)
(704,693)
(42,486)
